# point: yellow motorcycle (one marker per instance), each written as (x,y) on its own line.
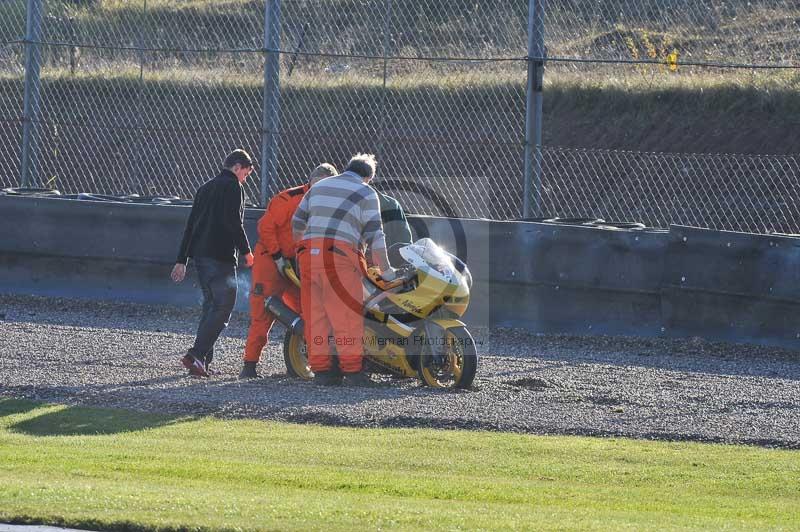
(412,326)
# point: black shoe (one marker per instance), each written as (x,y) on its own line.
(327,378)
(249,371)
(357,379)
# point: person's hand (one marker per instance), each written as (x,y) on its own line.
(178,272)
(248,260)
(280,263)
(389,274)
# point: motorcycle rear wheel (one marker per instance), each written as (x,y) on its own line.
(460,363)
(295,355)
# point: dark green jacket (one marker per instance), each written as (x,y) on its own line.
(395,225)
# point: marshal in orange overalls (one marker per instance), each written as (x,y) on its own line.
(274,240)
(332,272)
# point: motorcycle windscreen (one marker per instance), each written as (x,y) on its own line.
(427,256)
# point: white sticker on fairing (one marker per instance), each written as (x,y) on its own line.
(315,251)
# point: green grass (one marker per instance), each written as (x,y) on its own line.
(107,469)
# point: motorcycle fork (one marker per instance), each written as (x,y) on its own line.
(437,340)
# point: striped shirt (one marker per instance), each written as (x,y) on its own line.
(344,208)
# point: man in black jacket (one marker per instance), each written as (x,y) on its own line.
(215,238)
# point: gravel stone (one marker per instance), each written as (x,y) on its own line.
(127,355)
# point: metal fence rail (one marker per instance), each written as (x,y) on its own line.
(146,97)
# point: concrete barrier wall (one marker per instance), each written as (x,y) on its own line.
(576,279)
(91,229)
(732,286)
(545,277)
(87,249)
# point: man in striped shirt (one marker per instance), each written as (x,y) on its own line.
(338,218)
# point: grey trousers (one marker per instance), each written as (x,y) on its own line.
(218,282)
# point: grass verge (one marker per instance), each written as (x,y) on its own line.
(112,469)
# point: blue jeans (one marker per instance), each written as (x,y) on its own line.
(218,282)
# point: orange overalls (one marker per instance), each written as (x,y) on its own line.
(274,239)
(331,272)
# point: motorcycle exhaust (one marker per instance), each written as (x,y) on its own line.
(284,314)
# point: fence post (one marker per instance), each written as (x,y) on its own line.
(141,187)
(532,189)
(387,36)
(30,113)
(270,121)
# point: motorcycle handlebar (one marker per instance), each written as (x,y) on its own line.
(404,274)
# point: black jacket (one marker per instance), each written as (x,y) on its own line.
(215,227)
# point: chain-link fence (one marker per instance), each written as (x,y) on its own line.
(147,96)
(729,70)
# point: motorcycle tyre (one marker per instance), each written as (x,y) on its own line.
(295,357)
(469,362)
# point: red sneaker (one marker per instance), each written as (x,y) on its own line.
(195,367)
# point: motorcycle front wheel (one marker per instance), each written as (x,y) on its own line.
(454,365)
(295,355)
